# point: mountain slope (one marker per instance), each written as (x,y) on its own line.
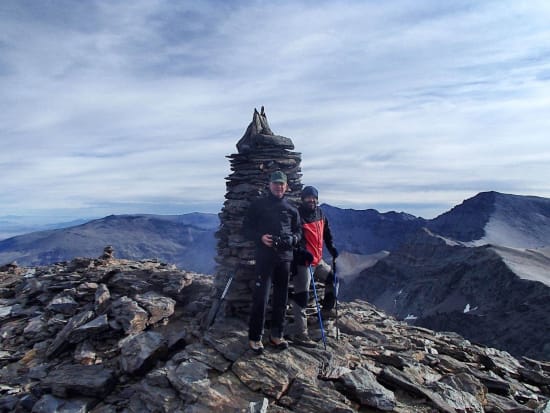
(470,290)
(495,218)
(186,240)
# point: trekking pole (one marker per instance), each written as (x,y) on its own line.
(318,308)
(218,303)
(336,287)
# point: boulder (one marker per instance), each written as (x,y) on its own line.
(128,315)
(138,353)
(158,306)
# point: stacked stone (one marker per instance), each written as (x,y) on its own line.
(260,152)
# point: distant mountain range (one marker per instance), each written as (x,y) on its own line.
(13,225)
(481,269)
(185,240)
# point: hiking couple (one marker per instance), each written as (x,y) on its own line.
(282,234)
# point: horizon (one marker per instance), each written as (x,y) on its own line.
(132,107)
(24,224)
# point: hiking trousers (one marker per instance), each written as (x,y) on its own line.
(268,272)
(302,280)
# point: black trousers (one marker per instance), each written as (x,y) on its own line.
(268,272)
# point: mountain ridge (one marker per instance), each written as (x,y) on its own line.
(180,239)
(373,246)
(363,232)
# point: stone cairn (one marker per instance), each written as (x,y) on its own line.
(260,152)
(108,253)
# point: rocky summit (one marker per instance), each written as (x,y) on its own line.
(110,335)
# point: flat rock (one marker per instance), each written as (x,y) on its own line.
(207,355)
(273,371)
(89,330)
(322,397)
(49,404)
(64,304)
(363,386)
(229,337)
(94,381)
(190,379)
(500,404)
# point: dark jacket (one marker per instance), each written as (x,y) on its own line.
(271,215)
(315,230)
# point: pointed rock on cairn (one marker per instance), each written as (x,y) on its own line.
(260,152)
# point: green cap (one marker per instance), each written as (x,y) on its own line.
(278,176)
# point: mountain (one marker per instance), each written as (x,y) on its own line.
(186,240)
(474,270)
(110,335)
(495,218)
(369,231)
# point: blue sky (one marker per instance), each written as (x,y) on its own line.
(128,107)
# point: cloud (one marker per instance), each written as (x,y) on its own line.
(136,104)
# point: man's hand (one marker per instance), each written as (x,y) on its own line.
(267,239)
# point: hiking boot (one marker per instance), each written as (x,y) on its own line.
(256,346)
(302,339)
(278,343)
(328,302)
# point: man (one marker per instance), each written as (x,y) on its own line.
(274,225)
(316,230)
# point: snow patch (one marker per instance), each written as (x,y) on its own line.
(529,264)
(447,241)
(467,309)
(411,317)
(517,222)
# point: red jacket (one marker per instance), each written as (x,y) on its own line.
(315,231)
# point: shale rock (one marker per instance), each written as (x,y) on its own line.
(363,386)
(50,361)
(95,381)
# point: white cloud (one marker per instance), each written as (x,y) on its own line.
(404,104)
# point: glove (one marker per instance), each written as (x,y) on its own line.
(334,252)
(306,256)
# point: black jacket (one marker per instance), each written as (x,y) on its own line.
(271,215)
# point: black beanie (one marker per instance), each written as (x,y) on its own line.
(310,191)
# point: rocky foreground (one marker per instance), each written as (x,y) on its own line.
(107,335)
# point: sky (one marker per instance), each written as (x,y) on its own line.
(115,107)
